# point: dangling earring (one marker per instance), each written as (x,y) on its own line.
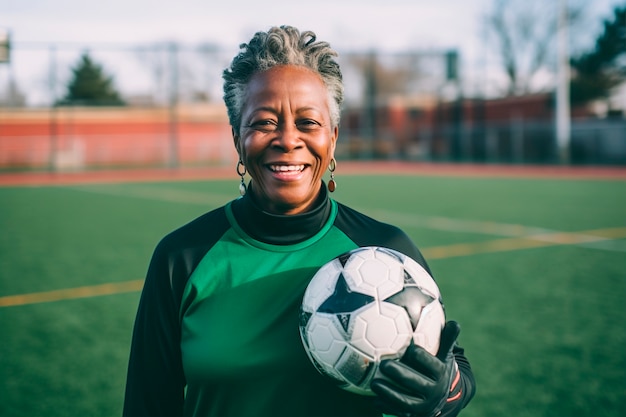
(332,185)
(242,186)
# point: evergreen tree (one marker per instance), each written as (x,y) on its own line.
(599,70)
(90,86)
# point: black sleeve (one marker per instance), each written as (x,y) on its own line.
(155,381)
(365,231)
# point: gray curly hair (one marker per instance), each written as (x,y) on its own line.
(283,45)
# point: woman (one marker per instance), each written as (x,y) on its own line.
(216,332)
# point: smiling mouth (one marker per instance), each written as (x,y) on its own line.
(286,168)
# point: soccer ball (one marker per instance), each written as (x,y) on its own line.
(364,306)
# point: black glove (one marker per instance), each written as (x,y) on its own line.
(418,384)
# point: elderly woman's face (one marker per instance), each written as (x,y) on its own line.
(286,137)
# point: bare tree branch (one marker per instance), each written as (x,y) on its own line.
(525,32)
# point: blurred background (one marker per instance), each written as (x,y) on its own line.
(137,83)
(532,265)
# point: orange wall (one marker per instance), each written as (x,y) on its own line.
(83,137)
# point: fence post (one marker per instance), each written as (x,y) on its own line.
(517,136)
(53,111)
(173,106)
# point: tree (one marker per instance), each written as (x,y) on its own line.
(90,86)
(525,31)
(599,70)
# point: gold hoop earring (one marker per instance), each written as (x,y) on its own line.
(242,185)
(332,185)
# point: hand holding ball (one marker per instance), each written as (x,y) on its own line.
(365,306)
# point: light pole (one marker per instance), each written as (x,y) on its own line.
(563,117)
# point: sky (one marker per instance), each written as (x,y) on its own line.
(364,23)
(390,25)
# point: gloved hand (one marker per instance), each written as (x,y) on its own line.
(418,384)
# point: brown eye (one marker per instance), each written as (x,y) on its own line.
(307,124)
(265,125)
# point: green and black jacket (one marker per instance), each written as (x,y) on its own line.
(216,332)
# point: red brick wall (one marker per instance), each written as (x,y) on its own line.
(114,136)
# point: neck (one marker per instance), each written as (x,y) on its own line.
(281,229)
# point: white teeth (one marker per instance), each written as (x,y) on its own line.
(286,168)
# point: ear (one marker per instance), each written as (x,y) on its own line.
(334,138)
(236,140)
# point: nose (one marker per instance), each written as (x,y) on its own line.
(287,138)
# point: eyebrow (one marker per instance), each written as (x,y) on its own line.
(274,111)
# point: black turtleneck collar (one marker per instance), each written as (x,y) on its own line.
(279,229)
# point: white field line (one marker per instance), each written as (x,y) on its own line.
(604,239)
(207,199)
(607,245)
(450,224)
(512,237)
(166,194)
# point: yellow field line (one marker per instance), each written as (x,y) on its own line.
(438,252)
(71,293)
(611,233)
(525,242)
(497,245)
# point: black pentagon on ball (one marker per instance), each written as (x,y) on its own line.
(343,258)
(413,301)
(343,300)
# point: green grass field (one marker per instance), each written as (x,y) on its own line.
(533,269)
